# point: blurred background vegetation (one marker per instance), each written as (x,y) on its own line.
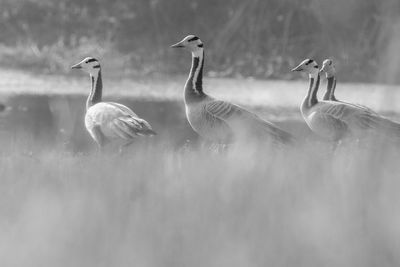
(252,38)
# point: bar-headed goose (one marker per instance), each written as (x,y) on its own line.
(217,120)
(109,121)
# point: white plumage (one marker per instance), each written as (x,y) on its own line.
(108,121)
(112,121)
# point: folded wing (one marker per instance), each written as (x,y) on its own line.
(129,127)
(242,120)
(117,120)
(361,118)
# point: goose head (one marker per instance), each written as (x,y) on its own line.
(89,65)
(328,67)
(191,43)
(308,66)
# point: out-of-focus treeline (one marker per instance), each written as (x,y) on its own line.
(257,38)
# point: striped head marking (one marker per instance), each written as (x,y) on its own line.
(308,65)
(191,43)
(328,67)
(89,64)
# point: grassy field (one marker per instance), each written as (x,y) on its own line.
(156,206)
(164,205)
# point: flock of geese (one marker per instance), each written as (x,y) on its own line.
(222,122)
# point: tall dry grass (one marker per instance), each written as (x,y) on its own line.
(159,206)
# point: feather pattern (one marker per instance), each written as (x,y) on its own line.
(336,119)
(116,121)
(224,122)
(244,120)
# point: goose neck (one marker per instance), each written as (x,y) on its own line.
(311,98)
(194,84)
(95,95)
(330,89)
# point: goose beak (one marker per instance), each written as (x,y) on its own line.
(177,45)
(77,66)
(298,68)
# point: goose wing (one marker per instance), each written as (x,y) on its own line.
(350,114)
(127,125)
(238,117)
(365,108)
(124,109)
(372,119)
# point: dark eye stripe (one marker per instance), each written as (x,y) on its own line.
(200,45)
(193,39)
(96,67)
(309,61)
(91,60)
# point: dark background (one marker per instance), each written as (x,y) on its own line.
(252,38)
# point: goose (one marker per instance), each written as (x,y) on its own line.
(108,121)
(334,120)
(216,120)
(330,72)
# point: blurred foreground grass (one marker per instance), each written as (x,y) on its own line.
(159,206)
(163,205)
